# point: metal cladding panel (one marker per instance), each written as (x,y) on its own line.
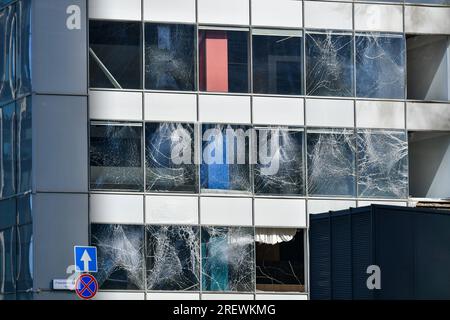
(341,257)
(320,258)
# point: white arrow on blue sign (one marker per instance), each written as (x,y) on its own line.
(85,258)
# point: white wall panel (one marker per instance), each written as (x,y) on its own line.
(171,209)
(115,105)
(109,295)
(225,296)
(172,296)
(321,206)
(170,10)
(226,211)
(278,111)
(428,116)
(328,15)
(281,297)
(387,203)
(223,12)
(329,113)
(279,13)
(115,9)
(280,213)
(116,208)
(380,114)
(427,20)
(224,109)
(376,17)
(170,107)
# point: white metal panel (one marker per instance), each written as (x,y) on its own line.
(387,203)
(60,143)
(170,10)
(116,208)
(226,211)
(380,114)
(279,13)
(376,17)
(170,107)
(328,15)
(226,296)
(115,9)
(329,113)
(428,116)
(433,20)
(109,295)
(321,206)
(278,111)
(223,12)
(115,105)
(281,297)
(171,209)
(224,109)
(280,213)
(172,296)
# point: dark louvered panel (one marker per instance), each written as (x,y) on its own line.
(320,276)
(341,257)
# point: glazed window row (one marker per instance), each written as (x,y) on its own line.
(182,58)
(192,258)
(272,161)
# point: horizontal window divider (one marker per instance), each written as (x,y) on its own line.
(277,32)
(224,28)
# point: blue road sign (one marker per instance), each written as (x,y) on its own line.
(86,286)
(85,258)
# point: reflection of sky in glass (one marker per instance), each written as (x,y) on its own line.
(329,64)
(380,66)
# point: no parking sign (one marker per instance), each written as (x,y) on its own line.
(86,286)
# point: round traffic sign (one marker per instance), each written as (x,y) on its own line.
(86,286)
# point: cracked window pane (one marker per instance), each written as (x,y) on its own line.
(7,246)
(7,53)
(170,57)
(169,154)
(24,144)
(223,61)
(280,262)
(382,164)
(7,151)
(115,54)
(115,152)
(225,158)
(228,259)
(331,162)
(173,258)
(24,44)
(280,161)
(277,64)
(329,64)
(120,256)
(380,66)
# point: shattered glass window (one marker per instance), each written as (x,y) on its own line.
(7,246)
(225,158)
(115,156)
(169,155)
(331,162)
(277,62)
(7,53)
(7,151)
(382,164)
(380,66)
(228,259)
(224,61)
(279,169)
(329,64)
(24,47)
(115,54)
(280,261)
(170,57)
(120,256)
(24,144)
(173,258)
